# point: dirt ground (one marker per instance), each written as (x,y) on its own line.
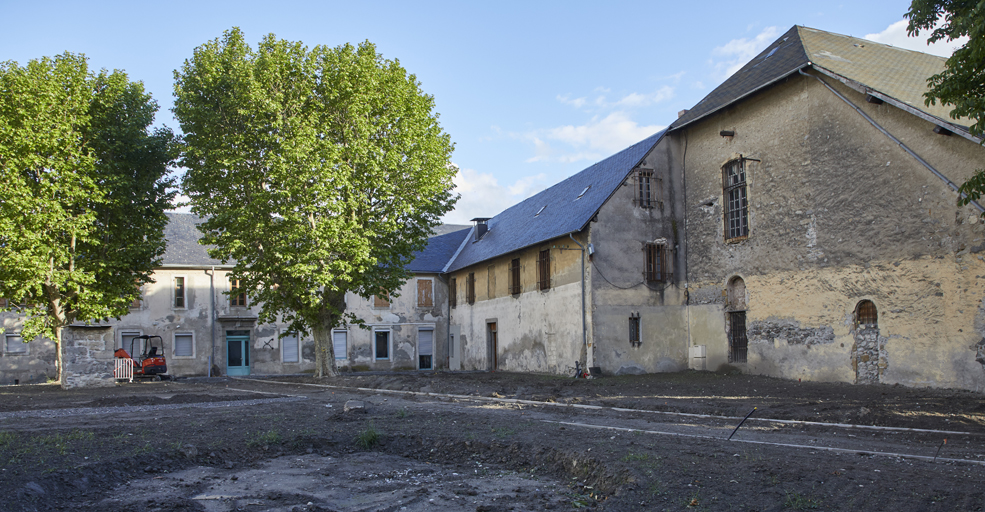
(491,442)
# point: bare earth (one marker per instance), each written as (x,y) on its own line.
(491,442)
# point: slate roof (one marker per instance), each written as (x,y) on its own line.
(521,226)
(183,247)
(897,73)
(440,249)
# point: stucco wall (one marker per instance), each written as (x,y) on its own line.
(838,213)
(34,362)
(537,331)
(618,286)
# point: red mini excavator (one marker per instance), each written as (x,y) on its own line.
(150,363)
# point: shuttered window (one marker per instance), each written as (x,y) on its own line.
(544,270)
(515,277)
(184,345)
(657,266)
(381,301)
(291,353)
(470,288)
(453,292)
(425,348)
(340,342)
(15,344)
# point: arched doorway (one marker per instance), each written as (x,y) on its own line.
(867,353)
(735,320)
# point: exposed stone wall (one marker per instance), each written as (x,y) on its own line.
(87,357)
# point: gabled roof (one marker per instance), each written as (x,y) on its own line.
(566,207)
(440,249)
(182,237)
(893,73)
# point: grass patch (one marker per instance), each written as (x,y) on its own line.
(263,439)
(502,432)
(631,457)
(369,437)
(798,501)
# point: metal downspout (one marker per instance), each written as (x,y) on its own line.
(894,139)
(589,359)
(211,274)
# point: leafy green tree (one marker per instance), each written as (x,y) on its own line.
(318,171)
(962,83)
(85,190)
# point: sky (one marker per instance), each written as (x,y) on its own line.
(530,92)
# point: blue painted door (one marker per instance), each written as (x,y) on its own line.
(237,353)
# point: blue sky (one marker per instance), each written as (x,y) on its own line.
(531,92)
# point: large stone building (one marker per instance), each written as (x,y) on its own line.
(800,222)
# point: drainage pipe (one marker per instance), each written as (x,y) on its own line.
(897,141)
(211,274)
(589,359)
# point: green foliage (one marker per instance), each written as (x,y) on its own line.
(369,437)
(319,171)
(962,83)
(85,189)
(264,439)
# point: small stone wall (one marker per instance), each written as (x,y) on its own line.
(87,357)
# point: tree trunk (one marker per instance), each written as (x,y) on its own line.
(324,350)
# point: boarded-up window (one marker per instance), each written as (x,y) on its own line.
(14,344)
(425,297)
(179,292)
(290,354)
(381,301)
(453,292)
(184,345)
(237,297)
(866,315)
(340,342)
(425,348)
(491,281)
(736,200)
(544,270)
(137,303)
(656,265)
(470,288)
(515,276)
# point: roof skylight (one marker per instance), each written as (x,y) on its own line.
(540,210)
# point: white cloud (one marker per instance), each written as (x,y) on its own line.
(180,204)
(599,137)
(577,102)
(631,100)
(483,196)
(896,35)
(736,53)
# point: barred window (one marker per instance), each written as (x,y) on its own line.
(470,288)
(544,270)
(736,200)
(737,341)
(656,265)
(515,276)
(647,189)
(866,315)
(634,330)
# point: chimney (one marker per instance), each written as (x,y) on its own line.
(681,113)
(480,227)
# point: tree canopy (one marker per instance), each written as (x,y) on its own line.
(318,171)
(962,83)
(85,189)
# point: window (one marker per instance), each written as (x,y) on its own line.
(179,292)
(866,316)
(137,302)
(126,337)
(470,288)
(491,281)
(290,349)
(453,293)
(737,343)
(184,344)
(3,303)
(425,293)
(736,200)
(425,349)
(647,189)
(634,330)
(515,277)
(340,342)
(544,270)
(381,301)
(656,266)
(14,345)
(381,340)
(237,298)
